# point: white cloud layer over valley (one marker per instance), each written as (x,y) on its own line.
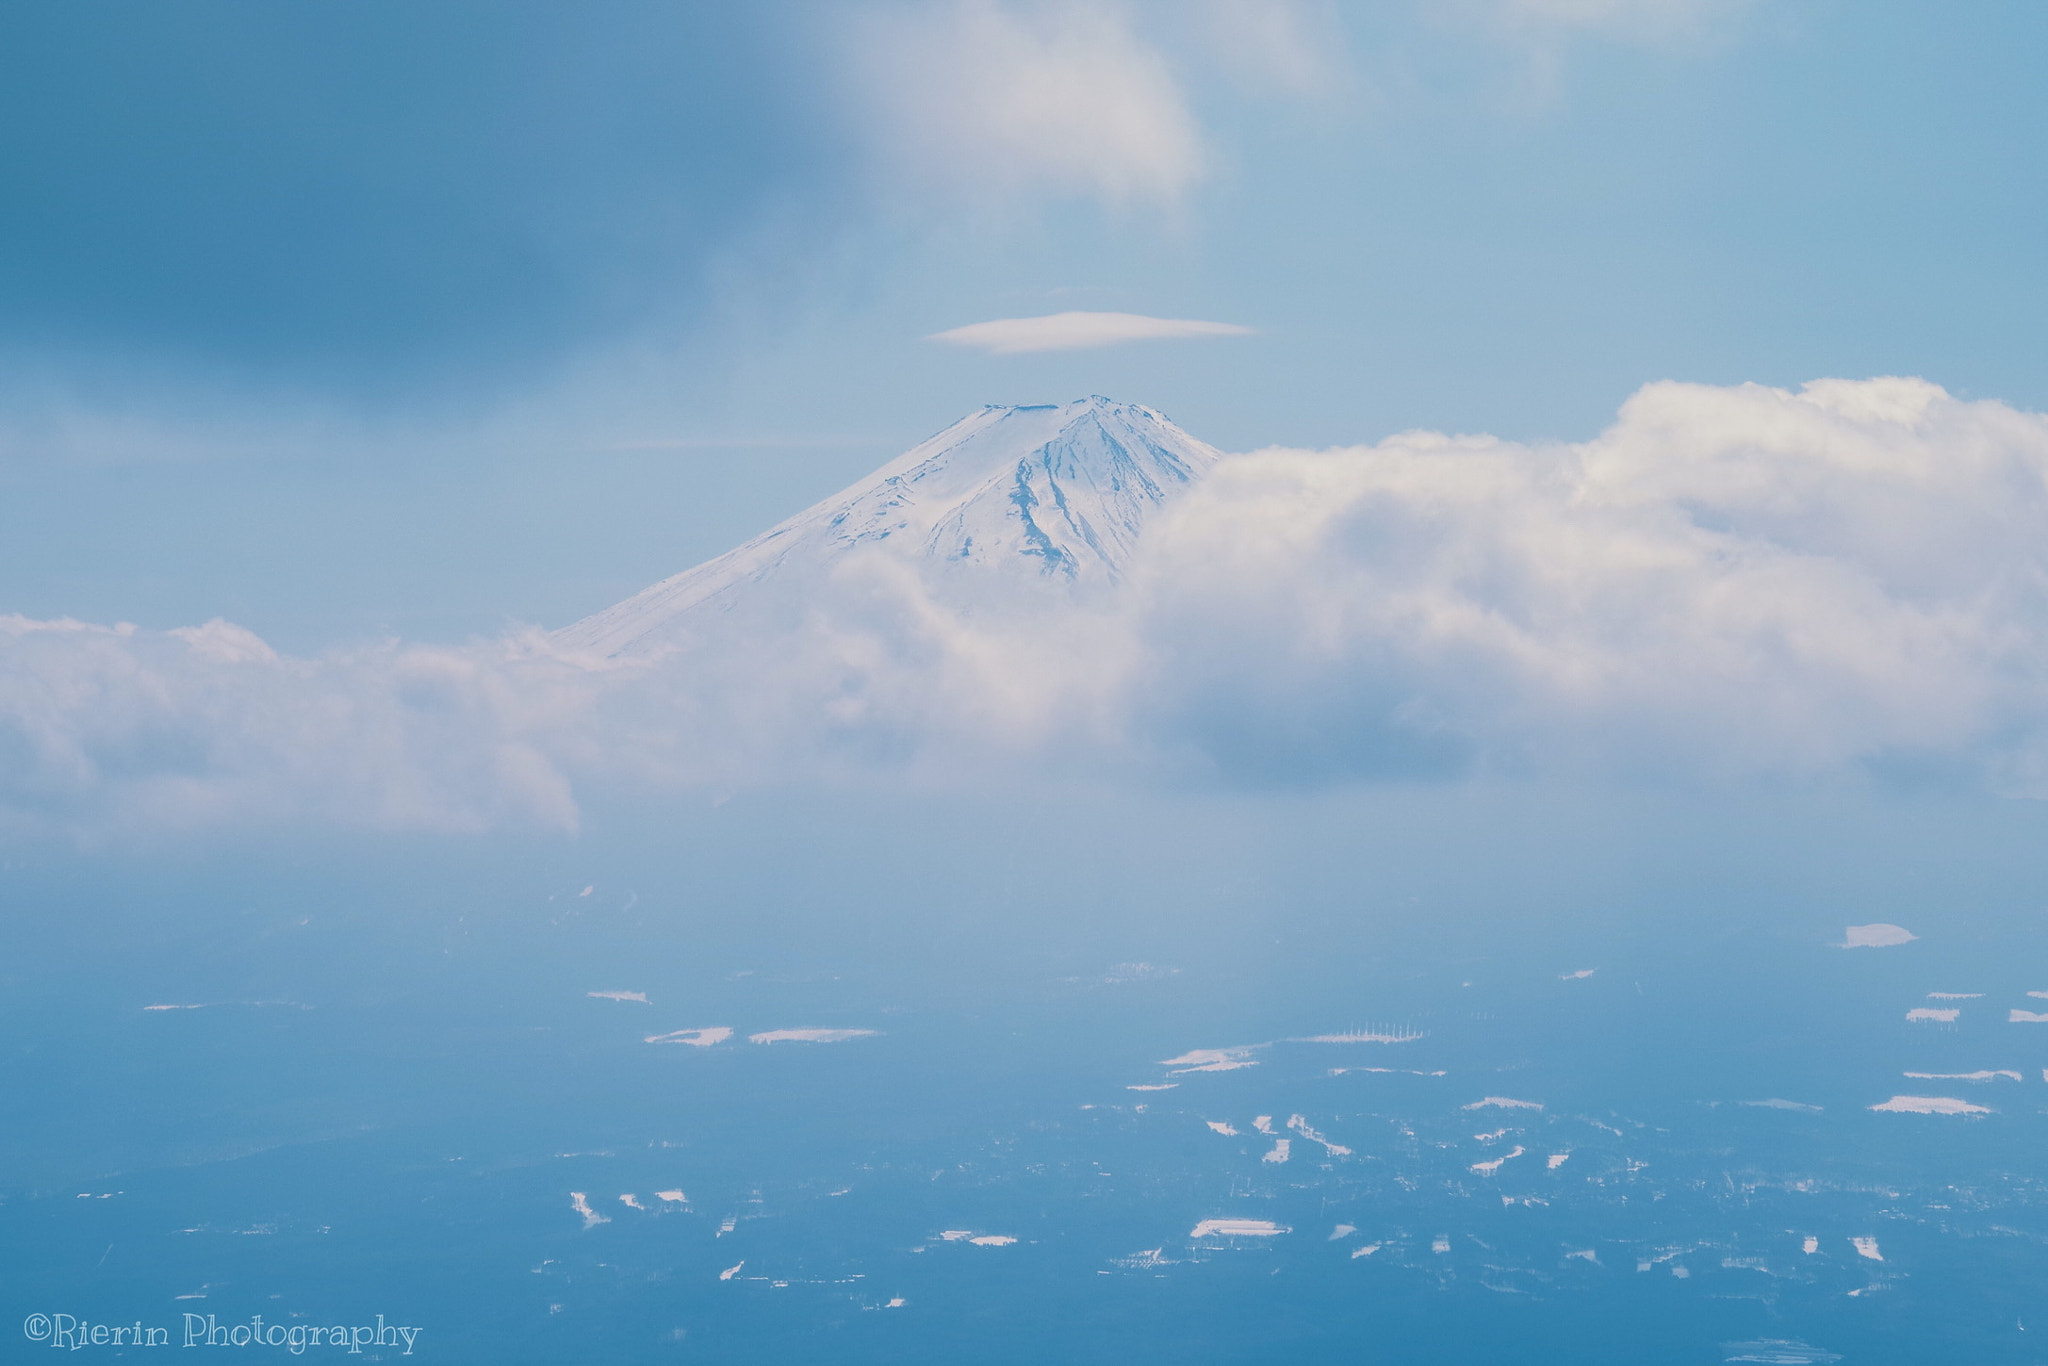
(1727,583)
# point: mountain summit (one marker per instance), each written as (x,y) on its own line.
(1054,493)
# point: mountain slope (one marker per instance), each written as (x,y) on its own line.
(1050,495)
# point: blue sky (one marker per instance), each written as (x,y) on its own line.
(345,318)
(337,319)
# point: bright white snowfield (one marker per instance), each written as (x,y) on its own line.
(1051,493)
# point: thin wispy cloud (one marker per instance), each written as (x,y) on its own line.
(1080,331)
(982,100)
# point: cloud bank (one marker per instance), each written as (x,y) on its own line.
(1076,331)
(1730,579)
(1727,584)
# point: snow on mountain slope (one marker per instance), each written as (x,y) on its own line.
(1051,494)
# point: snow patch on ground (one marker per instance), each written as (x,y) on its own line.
(1930,1105)
(696,1038)
(1489,1168)
(581,1204)
(1238,1228)
(1300,1125)
(1777,1352)
(1393,1071)
(215,1005)
(1213,1059)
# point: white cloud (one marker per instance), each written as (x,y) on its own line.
(979,99)
(1727,583)
(1732,579)
(996,103)
(111,728)
(1878,936)
(1078,331)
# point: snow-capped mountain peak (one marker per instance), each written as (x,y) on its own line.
(1056,493)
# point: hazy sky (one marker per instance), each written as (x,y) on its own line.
(337,318)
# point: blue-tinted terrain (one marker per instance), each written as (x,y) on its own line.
(1612,1103)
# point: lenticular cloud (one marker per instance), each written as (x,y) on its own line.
(1728,582)
(1079,332)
